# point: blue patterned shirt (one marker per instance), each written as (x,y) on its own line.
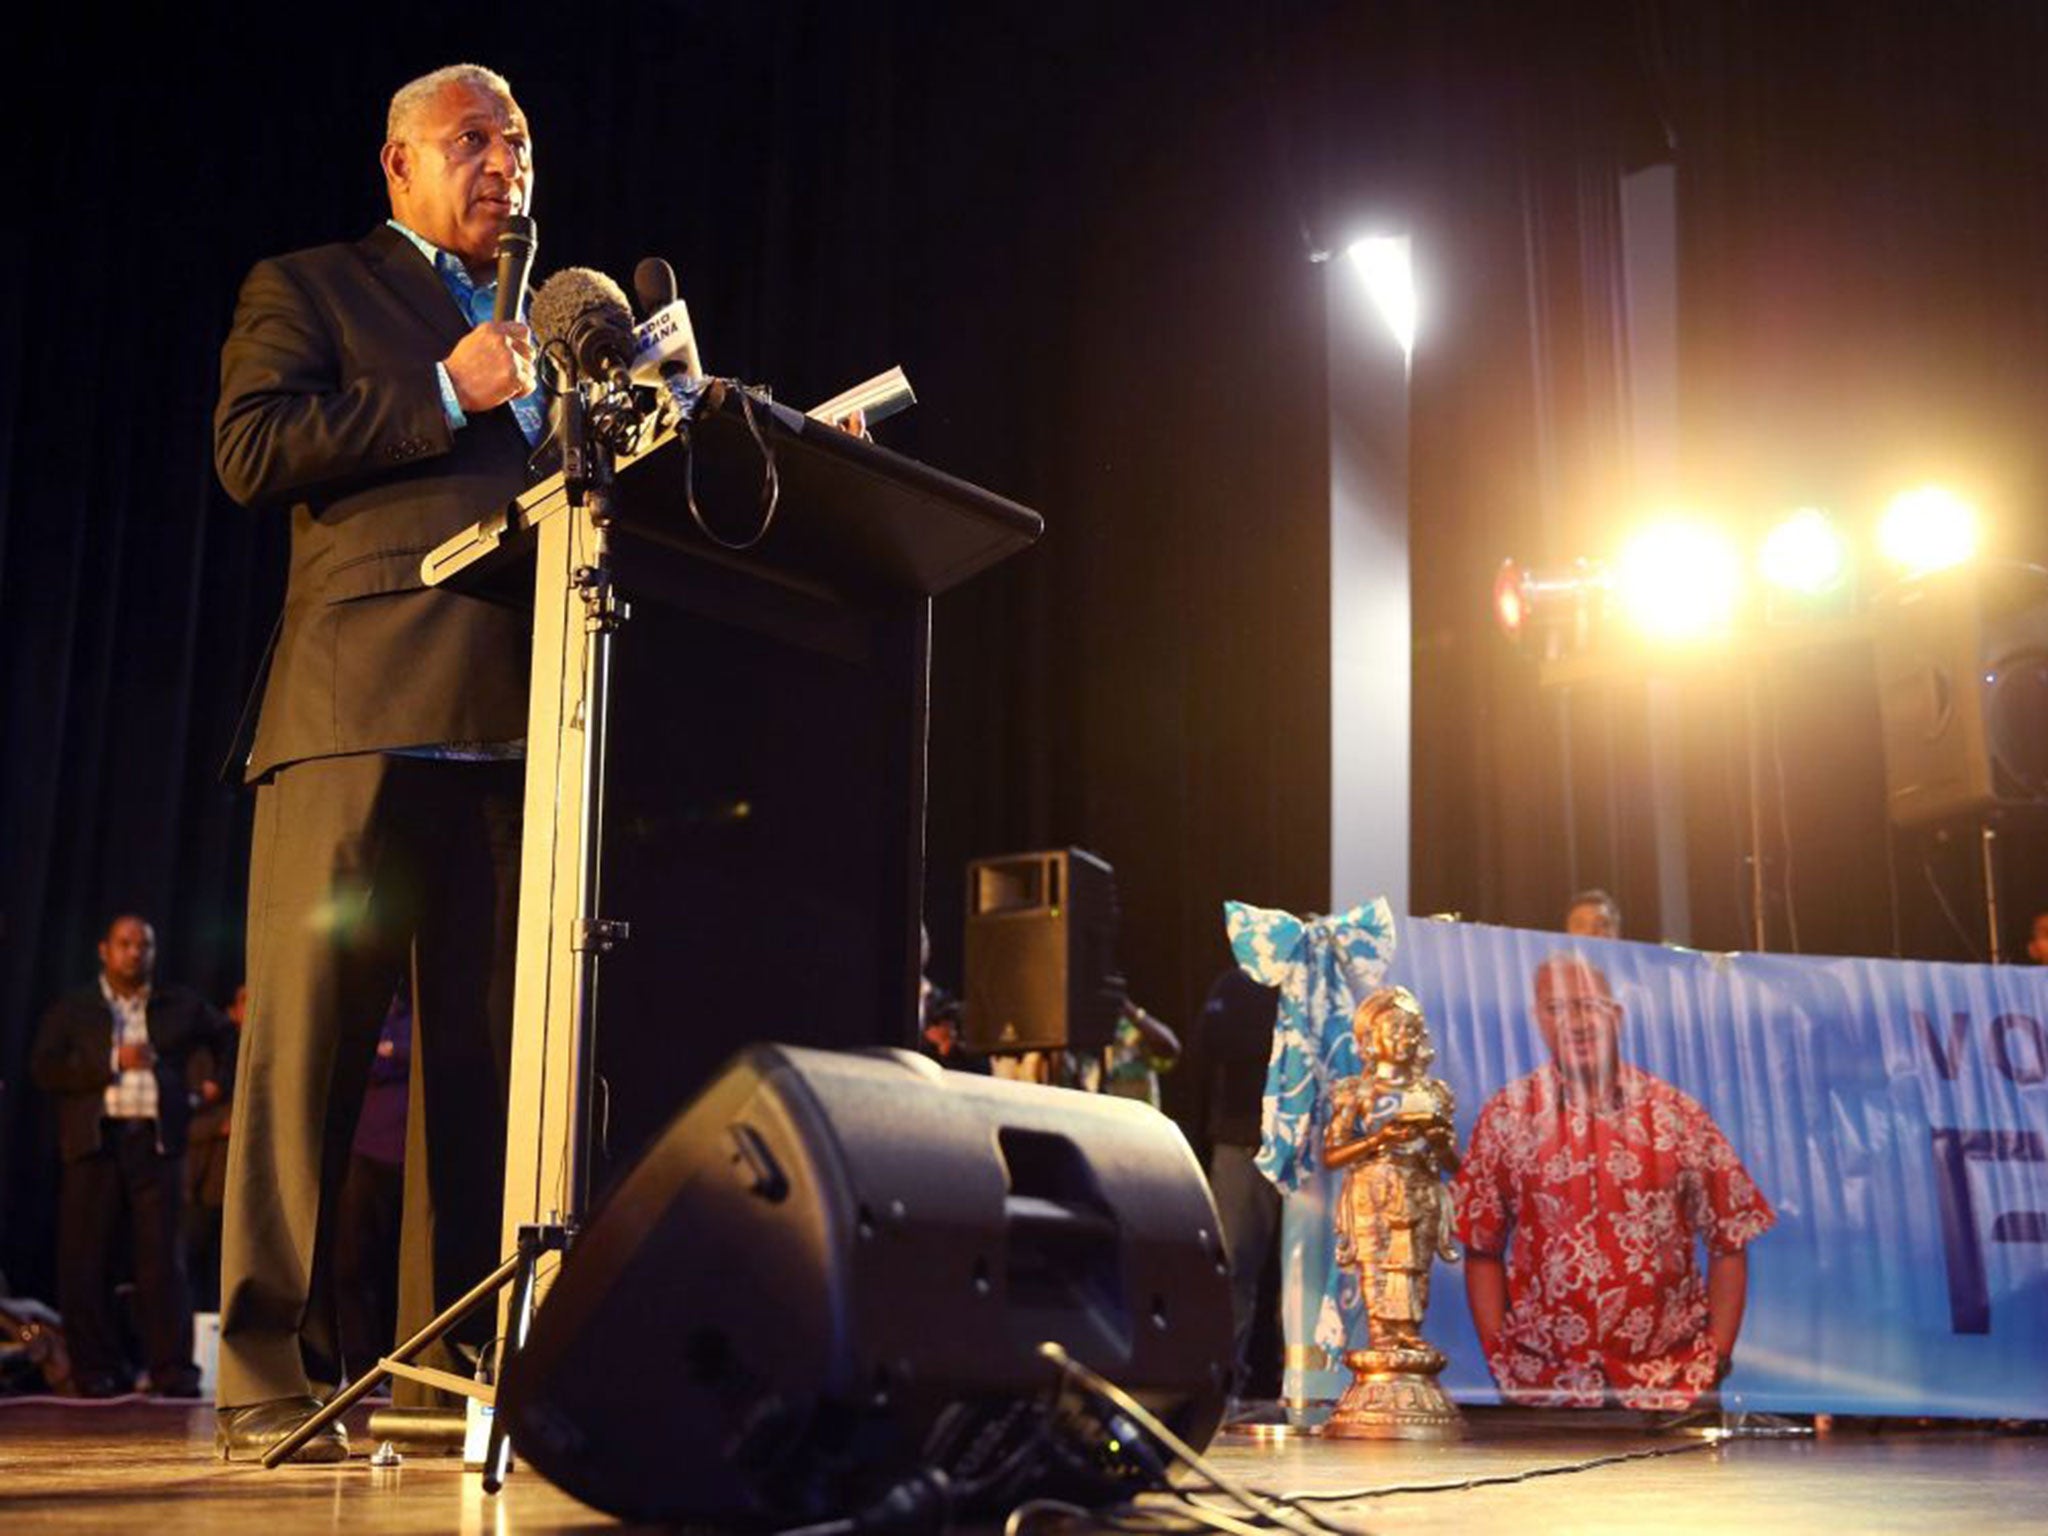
(131,1095)
(477,301)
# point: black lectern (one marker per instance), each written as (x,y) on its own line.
(762,780)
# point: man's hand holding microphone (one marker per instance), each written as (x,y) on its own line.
(495,361)
(492,364)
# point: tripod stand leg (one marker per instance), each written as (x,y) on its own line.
(358,1390)
(498,1449)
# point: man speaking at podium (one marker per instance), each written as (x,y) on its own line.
(366,390)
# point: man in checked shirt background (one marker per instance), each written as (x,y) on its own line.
(113,1055)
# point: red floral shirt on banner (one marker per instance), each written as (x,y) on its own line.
(1605,1210)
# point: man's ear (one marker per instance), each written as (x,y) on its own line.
(396,158)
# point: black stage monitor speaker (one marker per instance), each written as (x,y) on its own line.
(1041,953)
(830,1276)
(1962,678)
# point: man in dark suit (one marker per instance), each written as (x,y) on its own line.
(366,389)
(114,1055)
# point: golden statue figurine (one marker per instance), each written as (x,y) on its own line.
(1391,1131)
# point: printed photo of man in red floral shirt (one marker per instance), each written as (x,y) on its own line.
(1583,1200)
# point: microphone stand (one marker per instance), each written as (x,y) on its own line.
(587,476)
(587,473)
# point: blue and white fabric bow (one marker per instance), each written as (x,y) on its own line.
(1324,967)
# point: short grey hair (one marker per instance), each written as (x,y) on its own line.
(413,97)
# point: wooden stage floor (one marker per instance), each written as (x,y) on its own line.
(134,1466)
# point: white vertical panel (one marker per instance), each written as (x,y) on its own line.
(1370,648)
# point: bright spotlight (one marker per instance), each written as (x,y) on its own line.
(1805,554)
(1679,580)
(1927,529)
(1389,275)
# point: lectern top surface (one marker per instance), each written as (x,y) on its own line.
(851,517)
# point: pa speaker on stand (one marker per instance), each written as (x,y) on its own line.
(826,1286)
(1962,686)
(1041,971)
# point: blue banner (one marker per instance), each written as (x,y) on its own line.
(1862,1143)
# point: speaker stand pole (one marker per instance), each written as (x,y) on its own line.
(1759,918)
(1987,844)
(587,473)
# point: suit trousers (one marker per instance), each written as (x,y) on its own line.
(1249,1208)
(362,866)
(126,1182)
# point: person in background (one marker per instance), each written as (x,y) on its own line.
(1140,1049)
(1593,914)
(938,1017)
(373,1199)
(2037,939)
(206,1161)
(115,1055)
(1233,1044)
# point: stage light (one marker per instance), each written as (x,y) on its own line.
(1679,580)
(1526,600)
(1927,529)
(1384,262)
(1510,607)
(1805,554)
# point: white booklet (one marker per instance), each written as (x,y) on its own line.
(878,399)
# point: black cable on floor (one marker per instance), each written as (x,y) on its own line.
(1491,1481)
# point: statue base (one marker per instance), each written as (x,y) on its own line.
(1394,1395)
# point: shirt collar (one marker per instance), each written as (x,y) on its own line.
(428,249)
(451,266)
(476,299)
(115,1000)
(1627,1090)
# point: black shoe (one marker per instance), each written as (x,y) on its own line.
(184,1388)
(244,1434)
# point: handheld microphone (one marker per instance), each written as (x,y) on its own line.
(516,247)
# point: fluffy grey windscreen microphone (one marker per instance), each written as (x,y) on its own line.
(588,313)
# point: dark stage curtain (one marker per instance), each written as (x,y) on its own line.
(1085,231)
(1520,448)
(1063,223)
(1864,239)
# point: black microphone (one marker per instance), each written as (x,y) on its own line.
(666,342)
(654,284)
(516,246)
(586,312)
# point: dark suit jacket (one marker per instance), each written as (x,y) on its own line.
(73,1057)
(329,405)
